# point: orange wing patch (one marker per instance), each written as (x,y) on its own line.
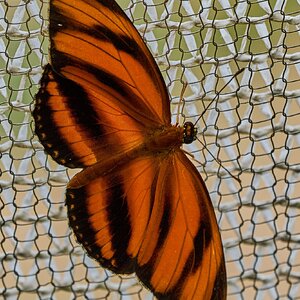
(139,205)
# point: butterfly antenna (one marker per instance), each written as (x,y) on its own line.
(216,159)
(208,106)
(180,101)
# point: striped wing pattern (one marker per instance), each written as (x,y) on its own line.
(101,97)
(154,217)
(94,90)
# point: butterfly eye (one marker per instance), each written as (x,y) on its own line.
(190,132)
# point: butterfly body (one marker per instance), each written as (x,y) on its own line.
(139,204)
(164,139)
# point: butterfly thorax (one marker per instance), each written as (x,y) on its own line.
(164,138)
(168,138)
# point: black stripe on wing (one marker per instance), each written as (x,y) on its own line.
(83,115)
(61,22)
(47,130)
(126,100)
(118,225)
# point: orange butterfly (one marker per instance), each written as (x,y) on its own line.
(139,205)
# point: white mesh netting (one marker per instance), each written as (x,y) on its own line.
(252,128)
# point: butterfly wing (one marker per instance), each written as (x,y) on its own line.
(153,216)
(101,96)
(103,89)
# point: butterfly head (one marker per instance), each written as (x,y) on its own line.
(189,133)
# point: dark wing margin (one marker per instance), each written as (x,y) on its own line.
(153,216)
(56,123)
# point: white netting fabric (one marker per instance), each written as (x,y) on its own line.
(252,127)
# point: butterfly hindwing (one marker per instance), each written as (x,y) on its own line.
(105,219)
(187,262)
(154,217)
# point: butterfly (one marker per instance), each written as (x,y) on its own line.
(139,204)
